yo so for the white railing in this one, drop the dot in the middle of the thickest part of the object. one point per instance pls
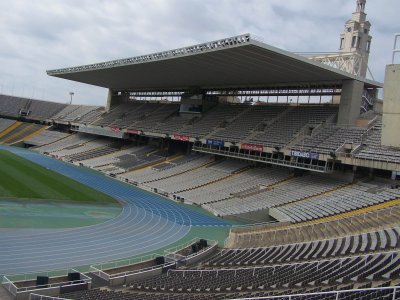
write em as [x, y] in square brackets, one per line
[123, 262]
[393, 254]
[298, 244]
[393, 290]
[33, 296]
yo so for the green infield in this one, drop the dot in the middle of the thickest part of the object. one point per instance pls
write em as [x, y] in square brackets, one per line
[32, 196]
[22, 179]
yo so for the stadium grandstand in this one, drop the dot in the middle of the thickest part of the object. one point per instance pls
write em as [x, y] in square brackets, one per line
[298, 152]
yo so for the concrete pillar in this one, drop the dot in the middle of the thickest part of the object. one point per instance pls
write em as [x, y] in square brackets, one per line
[391, 107]
[350, 102]
[109, 100]
[114, 99]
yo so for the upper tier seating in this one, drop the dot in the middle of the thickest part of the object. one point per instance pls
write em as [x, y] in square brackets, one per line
[213, 119]
[372, 148]
[32, 109]
[330, 138]
[285, 128]
[78, 113]
[246, 122]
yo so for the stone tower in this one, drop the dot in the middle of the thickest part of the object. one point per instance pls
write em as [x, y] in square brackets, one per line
[356, 38]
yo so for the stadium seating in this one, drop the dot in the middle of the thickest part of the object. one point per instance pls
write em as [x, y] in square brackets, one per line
[197, 177]
[284, 128]
[252, 118]
[19, 131]
[373, 150]
[381, 240]
[46, 137]
[343, 200]
[78, 113]
[296, 189]
[5, 123]
[11, 106]
[280, 234]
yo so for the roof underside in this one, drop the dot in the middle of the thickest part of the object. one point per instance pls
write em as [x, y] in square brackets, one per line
[234, 63]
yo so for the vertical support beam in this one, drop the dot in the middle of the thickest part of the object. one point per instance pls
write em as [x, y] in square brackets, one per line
[109, 100]
[114, 99]
[350, 102]
[391, 107]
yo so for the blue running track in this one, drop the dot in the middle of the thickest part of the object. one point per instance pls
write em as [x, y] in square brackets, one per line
[148, 222]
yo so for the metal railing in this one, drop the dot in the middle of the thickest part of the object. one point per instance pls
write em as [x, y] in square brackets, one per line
[338, 294]
[294, 164]
[34, 296]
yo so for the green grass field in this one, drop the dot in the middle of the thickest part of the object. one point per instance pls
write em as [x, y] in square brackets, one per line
[22, 179]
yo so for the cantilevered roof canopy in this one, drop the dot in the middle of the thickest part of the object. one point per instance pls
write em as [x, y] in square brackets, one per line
[231, 63]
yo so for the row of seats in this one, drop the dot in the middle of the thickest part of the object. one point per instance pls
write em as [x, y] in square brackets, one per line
[79, 113]
[364, 294]
[46, 137]
[197, 177]
[11, 106]
[381, 240]
[292, 190]
[340, 201]
[281, 234]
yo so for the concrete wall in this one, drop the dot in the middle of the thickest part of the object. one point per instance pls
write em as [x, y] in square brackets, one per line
[391, 107]
[350, 102]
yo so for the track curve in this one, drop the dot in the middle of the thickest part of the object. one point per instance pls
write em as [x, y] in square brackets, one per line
[147, 222]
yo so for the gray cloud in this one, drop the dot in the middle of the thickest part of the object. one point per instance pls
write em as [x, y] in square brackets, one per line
[37, 35]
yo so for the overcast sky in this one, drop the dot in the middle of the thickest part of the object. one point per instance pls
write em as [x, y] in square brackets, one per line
[38, 35]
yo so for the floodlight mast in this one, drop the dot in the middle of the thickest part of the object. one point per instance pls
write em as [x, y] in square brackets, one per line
[71, 94]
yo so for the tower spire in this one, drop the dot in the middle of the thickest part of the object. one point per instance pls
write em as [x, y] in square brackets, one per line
[361, 5]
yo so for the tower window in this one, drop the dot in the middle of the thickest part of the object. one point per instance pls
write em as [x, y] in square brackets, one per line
[368, 46]
[358, 42]
[341, 43]
[348, 29]
[354, 41]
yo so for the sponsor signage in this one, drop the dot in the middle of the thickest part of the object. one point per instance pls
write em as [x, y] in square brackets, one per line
[216, 143]
[115, 129]
[179, 137]
[134, 131]
[252, 147]
[305, 154]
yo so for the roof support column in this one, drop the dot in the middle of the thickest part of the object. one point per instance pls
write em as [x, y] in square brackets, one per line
[391, 107]
[114, 99]
[350, 102]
